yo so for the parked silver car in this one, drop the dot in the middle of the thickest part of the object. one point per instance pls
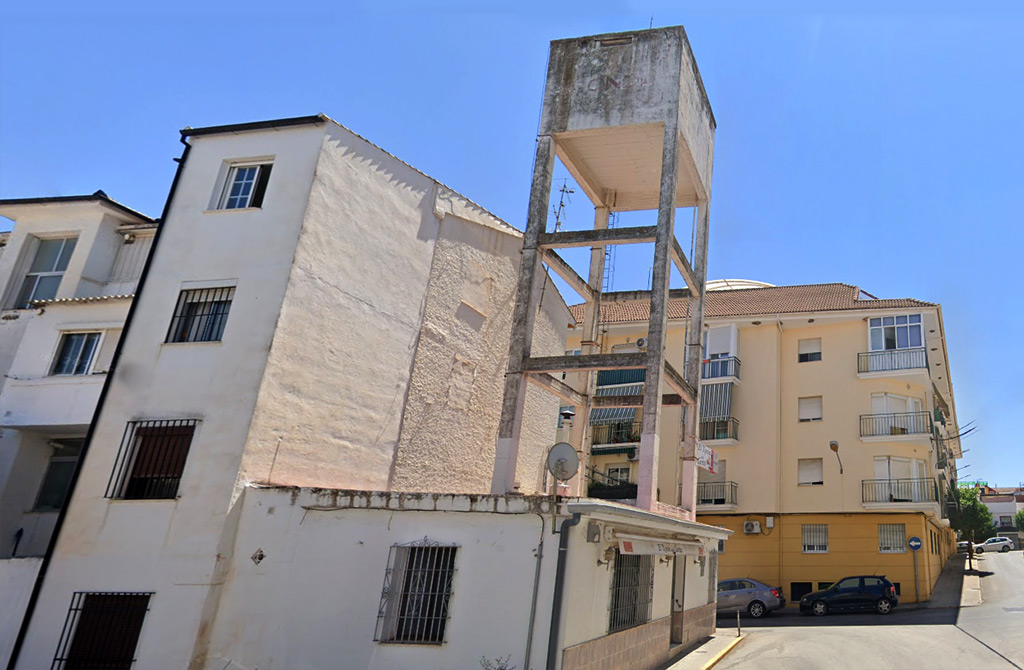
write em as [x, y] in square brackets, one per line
[994, 544]
[750, 596]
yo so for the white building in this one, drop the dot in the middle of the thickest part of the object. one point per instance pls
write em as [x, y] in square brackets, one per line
[68, 272]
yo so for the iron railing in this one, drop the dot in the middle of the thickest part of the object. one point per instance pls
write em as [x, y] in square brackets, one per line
[899, 490]
[892, 359]
[716, 493]
[101, 630]
[151, 459]
[615, 433]
[721, 367]
[608, 488]
[417, 591]
[632, 591]
[905, 423]
[725, 428]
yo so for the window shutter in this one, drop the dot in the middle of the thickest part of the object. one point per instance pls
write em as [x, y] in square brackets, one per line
[809, 346]
[810, 409]
[810, 471]
[719, 341]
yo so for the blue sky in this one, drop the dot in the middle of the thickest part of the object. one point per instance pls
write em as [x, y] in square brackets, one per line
[868, 146]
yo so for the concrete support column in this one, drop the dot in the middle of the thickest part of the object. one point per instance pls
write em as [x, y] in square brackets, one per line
[509, 429]
[694, 358]
[647, 485]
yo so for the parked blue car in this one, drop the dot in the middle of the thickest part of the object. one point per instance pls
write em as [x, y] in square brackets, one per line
[863, 592]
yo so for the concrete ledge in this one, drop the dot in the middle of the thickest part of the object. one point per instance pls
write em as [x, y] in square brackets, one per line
[970, 596]
[708, 654]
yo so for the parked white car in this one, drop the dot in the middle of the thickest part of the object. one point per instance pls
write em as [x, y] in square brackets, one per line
[994, 544]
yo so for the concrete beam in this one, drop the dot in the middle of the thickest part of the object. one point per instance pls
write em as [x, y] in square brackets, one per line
[589, 238]
[679, 258]
[558, 388]
[581, 363]
[676, 381]
[667, 400]
[558, 265]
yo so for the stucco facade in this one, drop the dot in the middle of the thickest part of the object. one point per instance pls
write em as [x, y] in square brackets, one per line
[787, 371]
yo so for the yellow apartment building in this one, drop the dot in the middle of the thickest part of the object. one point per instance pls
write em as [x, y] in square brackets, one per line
[832, 414]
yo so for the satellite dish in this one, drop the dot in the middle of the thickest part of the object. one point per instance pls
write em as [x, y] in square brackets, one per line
[563, 461]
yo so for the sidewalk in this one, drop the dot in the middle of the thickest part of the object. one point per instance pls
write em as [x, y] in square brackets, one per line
[956, 587]
[708, 653]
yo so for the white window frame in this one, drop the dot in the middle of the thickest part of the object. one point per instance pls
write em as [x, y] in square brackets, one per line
[811, 535]
[799, 409]
[617, 467]
[888, 533]
[880, 323]
[19, 289]
[93, 355]
[810, 480]
[229, 182]
[809, 346]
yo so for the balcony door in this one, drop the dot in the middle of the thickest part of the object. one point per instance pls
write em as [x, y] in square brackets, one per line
[900, 479]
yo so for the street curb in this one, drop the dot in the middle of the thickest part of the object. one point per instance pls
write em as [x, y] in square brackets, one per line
[720, 655]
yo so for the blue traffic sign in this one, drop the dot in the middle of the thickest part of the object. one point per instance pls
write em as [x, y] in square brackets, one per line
[915, 543]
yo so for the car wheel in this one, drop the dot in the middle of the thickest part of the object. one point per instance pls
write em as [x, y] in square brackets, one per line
[1005, 549]
[820, 608]
[756, 609]
[979, 550]
[883, 606]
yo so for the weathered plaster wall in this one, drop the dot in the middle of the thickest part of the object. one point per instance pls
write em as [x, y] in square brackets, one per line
[17, 576]
[313, 599]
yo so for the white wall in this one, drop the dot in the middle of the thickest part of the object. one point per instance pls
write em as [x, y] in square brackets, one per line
[17, 577]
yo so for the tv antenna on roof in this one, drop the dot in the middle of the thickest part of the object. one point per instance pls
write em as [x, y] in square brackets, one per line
[560, 210]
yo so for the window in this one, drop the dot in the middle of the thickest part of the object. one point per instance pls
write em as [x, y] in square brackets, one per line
[824, 585]
[618, 473]
[201, 314]
[896, 332]
[245, 186]
[848, 583]
[151, 459]
[44, 275]
[798, 590]
[892, 538]
[57, 479]
[721, 546]
[1005, 520]
[809, 471]
[809, 350]
[75, 353]
[101, 631]
[417, 590]
[815, 538]
[632, 591]
[810, 409]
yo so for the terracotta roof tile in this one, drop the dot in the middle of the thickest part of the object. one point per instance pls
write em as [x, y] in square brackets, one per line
[753, 302]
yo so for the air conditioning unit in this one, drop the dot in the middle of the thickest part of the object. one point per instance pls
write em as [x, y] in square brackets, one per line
[751, 527]
[641, 343]
[633, 455]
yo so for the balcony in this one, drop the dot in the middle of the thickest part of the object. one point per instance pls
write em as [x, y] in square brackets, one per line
[899, 491]
[716, 495]
[891, 361]
[719, 368]
[721, 430]
[604, 487]
[889, 425]
[46, 402]
[627, 432]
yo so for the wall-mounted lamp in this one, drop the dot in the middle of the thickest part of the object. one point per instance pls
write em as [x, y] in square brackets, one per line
[128, 238]
[834, 446]
[608, 555]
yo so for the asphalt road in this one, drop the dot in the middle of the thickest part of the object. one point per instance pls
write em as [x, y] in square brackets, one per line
[990, 635]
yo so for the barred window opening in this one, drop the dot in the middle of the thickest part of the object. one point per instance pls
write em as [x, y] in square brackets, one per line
[892, 538]
[101, 631]
[151, 459]
[632, 591]
[417, 591]
[201, 314]
[815, 538]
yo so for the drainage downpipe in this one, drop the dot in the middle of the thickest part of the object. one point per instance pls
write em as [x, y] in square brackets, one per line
[556, 605]
[536, 589]
[37, 588]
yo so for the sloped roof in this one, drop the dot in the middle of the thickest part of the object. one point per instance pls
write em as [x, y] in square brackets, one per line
[751, 302]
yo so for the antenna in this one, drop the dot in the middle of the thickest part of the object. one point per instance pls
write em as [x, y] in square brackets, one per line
[560, 210]
[609, 258]
[563, 463]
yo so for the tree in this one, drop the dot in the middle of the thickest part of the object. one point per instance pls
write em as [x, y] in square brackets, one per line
[971, 519]
[1018, 521]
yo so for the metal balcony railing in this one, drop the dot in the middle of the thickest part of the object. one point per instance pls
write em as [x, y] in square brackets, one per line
[905, 423]
[899, 490]
[724, 428]
[721, 367]
[716, 493]
[600, 485]
[892, 359]
[615, 433]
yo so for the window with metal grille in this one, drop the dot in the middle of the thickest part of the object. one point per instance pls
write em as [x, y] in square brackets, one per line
[201, 314]
[245, 186]
[632, 591]
[46, 271]
[417, 590]
[75, 353]
[815, 538]
[892, 538]
[151, 459]
[101, 631]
